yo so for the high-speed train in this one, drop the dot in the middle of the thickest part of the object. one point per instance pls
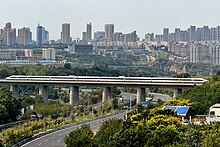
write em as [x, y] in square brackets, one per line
[109, 79]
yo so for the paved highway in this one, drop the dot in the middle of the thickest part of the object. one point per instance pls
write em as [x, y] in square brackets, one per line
[163, 97]
[56, 139]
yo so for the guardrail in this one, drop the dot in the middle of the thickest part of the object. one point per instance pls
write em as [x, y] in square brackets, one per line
[8, 125]
[60, 128]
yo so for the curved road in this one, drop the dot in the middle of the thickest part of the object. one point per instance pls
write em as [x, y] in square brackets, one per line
[163, 97]
[55, 139]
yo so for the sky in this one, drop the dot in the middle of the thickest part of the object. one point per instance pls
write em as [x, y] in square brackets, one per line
[141, 15]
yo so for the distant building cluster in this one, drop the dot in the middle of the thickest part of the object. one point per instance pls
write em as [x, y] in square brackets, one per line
[197, 52]
[193, 33]
[14, 54]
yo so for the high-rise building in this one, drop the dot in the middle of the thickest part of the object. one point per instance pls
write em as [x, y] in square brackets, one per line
[89, 32]
[8, 35]
[39, 35]
[8, 25]
[84, 36]
[213, 34]
[117, 37]
[177, 34]
[149, 37]
[49, 54]
[199, 34]
[65, 34]
[42, 35]
[192, 33]
[109, 31]
[166, 34]
[205, 33]
[218, 33]
[24, 36]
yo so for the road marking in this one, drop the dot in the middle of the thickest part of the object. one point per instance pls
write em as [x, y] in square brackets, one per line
[53, 137]
[68, 128]
[39, 144]
[60, 134]
[46, 140]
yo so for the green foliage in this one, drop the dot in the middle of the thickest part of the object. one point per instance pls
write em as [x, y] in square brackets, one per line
[80, 137]
[49, 109]
[129, 137]
[213, 137]
[10, 107]
[13, 135]
[203, 97]
[107, 130]
[115, 104]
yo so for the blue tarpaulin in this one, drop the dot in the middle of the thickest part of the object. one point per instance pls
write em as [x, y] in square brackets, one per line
[180, 110]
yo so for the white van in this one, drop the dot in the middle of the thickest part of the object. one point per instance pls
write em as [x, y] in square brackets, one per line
[214, 112]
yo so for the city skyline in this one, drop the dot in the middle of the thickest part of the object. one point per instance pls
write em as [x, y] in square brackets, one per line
[143, 16]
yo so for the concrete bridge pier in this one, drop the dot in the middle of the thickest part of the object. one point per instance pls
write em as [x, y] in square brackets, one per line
[106, 94]
[141, 95]
[176, 91]
[74, 95]
[15, 90]
[43, 91]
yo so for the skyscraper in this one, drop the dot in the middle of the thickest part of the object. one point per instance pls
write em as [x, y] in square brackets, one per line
[166, 34]
[65, 34]
[218, 33]
[192, 33]
[8, 35]
[213, 34]
[205, 33]
[89, 32]
[39, 34]
[24, 36]
[109, 31]
[42, 35]
[177, 34]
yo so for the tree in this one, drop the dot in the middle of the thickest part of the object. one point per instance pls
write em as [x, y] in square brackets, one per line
[67, 66]
[107, 130]
[80, 137]
[115, 103]
[3, 113]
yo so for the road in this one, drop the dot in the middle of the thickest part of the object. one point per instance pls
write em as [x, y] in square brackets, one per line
[55, 139]
[163, 97]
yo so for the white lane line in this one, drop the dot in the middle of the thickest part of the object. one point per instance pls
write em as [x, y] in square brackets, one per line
[75, 126]
[39, 144]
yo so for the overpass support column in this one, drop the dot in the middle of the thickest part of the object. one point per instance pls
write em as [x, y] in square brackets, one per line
[74, 95]
[141, 95]
[15, 90]
[176, 91]
[106, 94]
[43, 91]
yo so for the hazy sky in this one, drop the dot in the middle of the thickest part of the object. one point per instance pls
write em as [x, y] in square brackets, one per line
[127, 15]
